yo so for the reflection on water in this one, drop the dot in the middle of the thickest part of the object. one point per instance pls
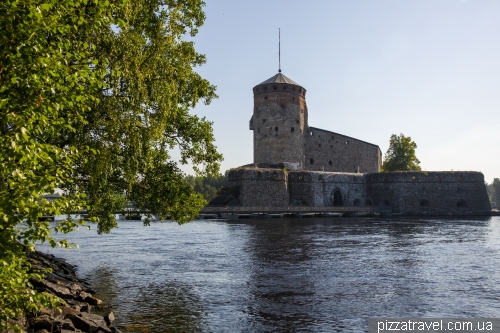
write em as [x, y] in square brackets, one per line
[167, 307]
[290, 275]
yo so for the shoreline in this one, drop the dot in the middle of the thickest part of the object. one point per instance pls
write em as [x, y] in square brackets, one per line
[76, 315]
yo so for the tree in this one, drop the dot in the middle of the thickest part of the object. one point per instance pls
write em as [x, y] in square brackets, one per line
[93, 97]
[208, 186]
[400, 155]
[495, 192]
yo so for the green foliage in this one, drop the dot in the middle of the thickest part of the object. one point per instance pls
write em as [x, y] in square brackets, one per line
[47, 83]
[494, 192]
[209, 186]
[93, 97]
[400, 155]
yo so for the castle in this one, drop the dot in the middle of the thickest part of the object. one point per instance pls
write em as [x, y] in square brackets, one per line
[298, 165]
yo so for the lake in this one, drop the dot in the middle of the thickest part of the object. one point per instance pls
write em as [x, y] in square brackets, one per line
[290, 275]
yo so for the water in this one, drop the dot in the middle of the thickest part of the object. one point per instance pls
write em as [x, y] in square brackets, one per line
[291, 275]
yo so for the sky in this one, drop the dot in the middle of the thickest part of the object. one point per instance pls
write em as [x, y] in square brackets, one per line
[429, 69]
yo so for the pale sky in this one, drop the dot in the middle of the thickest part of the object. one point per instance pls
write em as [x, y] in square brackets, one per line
[429, 69]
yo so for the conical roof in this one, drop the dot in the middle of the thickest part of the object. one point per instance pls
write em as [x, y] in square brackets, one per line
[279, 78]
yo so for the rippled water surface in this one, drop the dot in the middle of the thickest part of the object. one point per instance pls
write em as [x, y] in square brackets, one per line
[291, 275]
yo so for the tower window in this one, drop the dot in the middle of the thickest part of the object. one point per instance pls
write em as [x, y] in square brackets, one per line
[311, 161]
[258, 130]
[263, 120]
[265, 97]
[320, 145]
[292, 130]
[330, 163]
[276, 129]
[297, 121]
[274, 87]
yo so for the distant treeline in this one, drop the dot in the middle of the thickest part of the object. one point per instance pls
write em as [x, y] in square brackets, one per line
[209, 187]
[494, 192]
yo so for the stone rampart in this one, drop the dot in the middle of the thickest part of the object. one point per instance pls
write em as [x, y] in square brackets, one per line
[261, 187]
[413, 193]
[456, 193]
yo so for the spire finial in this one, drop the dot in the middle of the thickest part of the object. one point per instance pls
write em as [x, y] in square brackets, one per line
[279, 49]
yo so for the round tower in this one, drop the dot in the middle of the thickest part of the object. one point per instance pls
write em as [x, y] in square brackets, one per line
[279, 122]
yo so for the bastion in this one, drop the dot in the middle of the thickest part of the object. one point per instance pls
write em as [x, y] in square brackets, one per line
[299, 165]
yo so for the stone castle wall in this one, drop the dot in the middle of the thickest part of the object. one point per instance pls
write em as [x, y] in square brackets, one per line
[261, 187]
[451, 193]
[279, 122]
[429, 192]
[329, 151]
[317, 189]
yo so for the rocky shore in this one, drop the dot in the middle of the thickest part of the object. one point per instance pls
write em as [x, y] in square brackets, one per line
[75, 316]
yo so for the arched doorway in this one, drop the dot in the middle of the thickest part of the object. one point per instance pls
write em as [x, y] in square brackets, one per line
[425, 203]
[337, 198]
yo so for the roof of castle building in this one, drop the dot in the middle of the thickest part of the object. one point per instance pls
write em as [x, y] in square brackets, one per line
[280, 78]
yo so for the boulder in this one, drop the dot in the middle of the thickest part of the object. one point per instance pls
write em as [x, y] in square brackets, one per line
[89, 322]
[86, 297]
[57, 290]
[109, 318]
[65, 324]
[41, 322]
[75, 289]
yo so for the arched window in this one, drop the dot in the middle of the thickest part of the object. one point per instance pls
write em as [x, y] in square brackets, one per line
[330, 162]
[368, 202]
[276, 128]
[462, 203]
[357, 202]
[311, 161]
[292, 130]
[385, 202]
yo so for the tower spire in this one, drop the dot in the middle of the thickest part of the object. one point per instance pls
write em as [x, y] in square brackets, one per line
[279, 49]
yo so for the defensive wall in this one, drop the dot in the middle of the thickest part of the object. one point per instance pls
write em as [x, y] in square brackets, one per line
[412, 193]
[329, 151]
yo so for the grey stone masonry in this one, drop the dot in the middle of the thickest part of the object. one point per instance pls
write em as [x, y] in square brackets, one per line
[417, 193]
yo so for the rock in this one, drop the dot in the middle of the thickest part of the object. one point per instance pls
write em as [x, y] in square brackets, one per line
[41, 322]
[86, 297]
[89, 322]
[83, 295]
[75, 289]
[65, 324]
[79, 306]
[86, 308]
[115, 330]
[42, 331]
[58, 290]
[109, 318]
[68, 310]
